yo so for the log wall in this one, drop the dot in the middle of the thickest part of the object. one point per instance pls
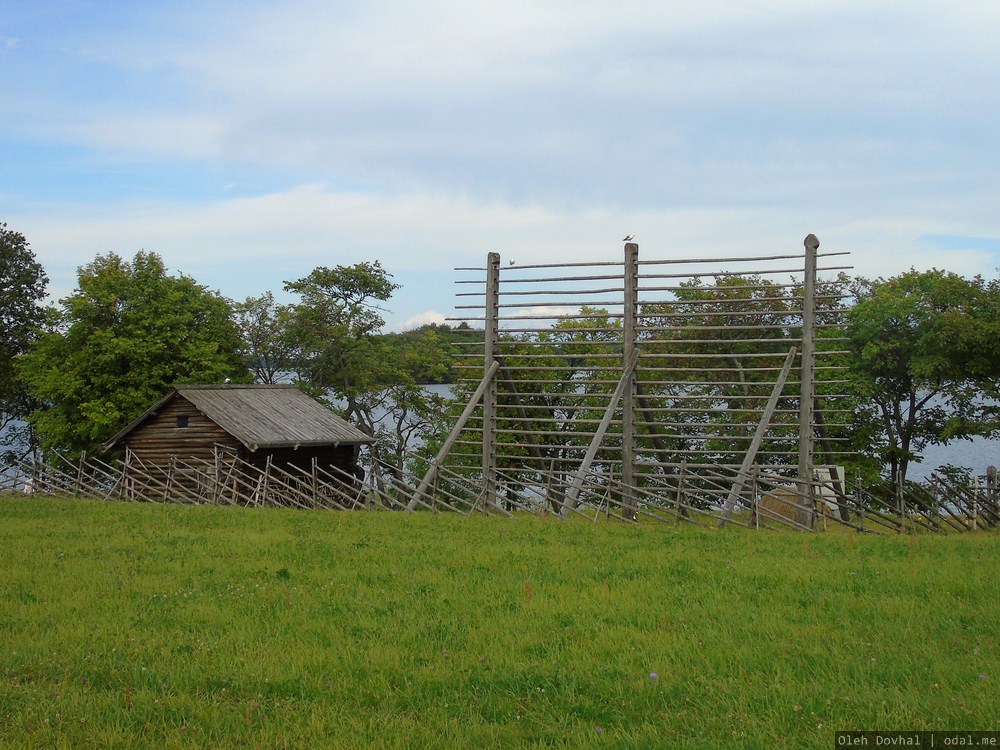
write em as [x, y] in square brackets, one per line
[162, 438]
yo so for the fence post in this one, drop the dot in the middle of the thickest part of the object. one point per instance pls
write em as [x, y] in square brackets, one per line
[804, 515]
[265, 488]
[491, 334]
[991, 489]
[631, 312]
[126, 478]
[681, 497]
[79, 474]
[168, 486]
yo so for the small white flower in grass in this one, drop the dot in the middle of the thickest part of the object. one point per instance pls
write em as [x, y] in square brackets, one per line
[600, 730]
[654, 676]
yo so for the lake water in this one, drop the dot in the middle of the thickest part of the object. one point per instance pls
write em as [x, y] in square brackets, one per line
[974, 454]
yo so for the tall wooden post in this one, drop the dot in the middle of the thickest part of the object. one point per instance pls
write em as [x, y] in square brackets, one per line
[491, 334]
[804, 515]
[631, 312]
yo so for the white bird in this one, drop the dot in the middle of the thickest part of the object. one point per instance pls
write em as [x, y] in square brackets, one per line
[510, 262]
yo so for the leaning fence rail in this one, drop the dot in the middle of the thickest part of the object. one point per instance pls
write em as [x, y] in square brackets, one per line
[764, 500]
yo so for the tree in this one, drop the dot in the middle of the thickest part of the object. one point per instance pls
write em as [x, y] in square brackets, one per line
[262, 326]
[332, 336]
[429, 351]
[22, 316]
[927, 358]
[124, 336]
[333, 327]
[400, 413]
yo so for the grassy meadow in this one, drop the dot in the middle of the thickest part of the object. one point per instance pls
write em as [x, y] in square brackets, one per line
[134, 626]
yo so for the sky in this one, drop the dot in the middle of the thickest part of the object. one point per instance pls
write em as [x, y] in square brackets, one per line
[249, 142]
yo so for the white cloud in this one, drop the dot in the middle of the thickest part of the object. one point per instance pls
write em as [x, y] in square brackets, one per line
[151, 134]
[245, 246]
[551, 102]
[422, 319]
[425, 135]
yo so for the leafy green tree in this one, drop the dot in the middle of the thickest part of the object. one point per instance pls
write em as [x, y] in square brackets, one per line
[927, 360]
[22, 288]
[399, 415]
[128, 332]
[333, 339]
[333, 327]
[262, 325]
[401, 411]
[429, 352]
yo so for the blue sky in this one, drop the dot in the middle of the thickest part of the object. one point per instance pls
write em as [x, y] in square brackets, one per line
[249, 142]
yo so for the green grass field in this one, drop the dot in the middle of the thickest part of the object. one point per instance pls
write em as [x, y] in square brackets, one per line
[133, 626]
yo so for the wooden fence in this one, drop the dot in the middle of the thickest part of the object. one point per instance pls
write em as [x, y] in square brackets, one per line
[767, 500]
[643, 370]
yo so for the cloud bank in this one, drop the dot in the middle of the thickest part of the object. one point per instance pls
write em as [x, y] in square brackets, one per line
[248, 143]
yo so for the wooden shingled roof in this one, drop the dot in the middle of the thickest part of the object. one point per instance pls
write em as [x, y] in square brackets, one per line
[262, 416]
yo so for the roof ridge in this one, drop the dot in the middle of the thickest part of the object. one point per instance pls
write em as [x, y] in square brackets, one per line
[230, 386]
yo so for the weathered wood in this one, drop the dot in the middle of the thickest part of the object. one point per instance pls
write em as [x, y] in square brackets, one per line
[210, 424]
[436, 464]
[807, 384]
[573, 492]
[491, 335]
[758, 438]
[630, 356]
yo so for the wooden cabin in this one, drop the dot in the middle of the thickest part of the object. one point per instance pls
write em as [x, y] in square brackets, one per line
[263, 425]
